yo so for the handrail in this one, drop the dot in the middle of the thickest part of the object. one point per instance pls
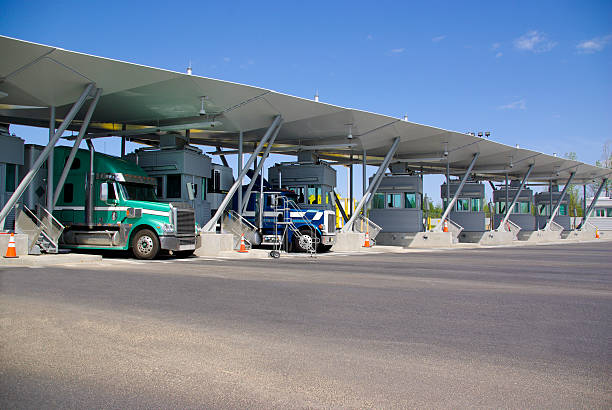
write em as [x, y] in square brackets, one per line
[555, 226]
[372, 228]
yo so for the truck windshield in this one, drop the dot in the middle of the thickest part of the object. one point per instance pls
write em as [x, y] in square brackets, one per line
[138, 192]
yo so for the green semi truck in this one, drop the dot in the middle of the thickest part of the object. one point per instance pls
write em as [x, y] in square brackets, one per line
[116, 207]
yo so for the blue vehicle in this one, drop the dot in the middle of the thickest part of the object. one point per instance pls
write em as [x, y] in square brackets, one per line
[281, 222]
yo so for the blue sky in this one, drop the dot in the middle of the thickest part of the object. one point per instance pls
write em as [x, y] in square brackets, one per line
[534, 73]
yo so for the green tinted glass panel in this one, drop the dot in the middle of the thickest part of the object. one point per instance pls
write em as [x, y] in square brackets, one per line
[524, 208]
[476, 204]
[463, 205]
[410, 200]
[563, 209]
[378, 202]
[10, 178]
[394, 200]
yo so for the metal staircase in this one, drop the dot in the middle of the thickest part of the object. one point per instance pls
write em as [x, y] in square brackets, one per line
[283, 222]
[232, 222]
[43, 231]
[363, 224]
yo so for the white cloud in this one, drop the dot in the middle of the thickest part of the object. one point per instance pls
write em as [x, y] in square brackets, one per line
[227, 59]
[398, 50]
[499, 54]
[438, 38]
[593, 45]
[535, 42]
[515, 105]
[369, 37]
[495, 46]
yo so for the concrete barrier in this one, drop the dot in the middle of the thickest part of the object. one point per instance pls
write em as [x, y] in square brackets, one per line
[540, 236]
[21, 243]
[214, 243]
[431, 240]
[349, 241]
[575, 235]
[493, 238]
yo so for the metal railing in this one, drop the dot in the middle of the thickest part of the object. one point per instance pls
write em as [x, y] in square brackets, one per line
[455, 229]
[363, 224]
[44, 231]
[555, 227]
[234, 223]
[511, 227]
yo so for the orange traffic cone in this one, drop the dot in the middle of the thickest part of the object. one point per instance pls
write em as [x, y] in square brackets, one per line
[367, 241]
[445, 226]
[10, 251]
[243, 248]
[596, 233]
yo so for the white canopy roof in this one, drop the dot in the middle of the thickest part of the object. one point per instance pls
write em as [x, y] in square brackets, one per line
[34, 77]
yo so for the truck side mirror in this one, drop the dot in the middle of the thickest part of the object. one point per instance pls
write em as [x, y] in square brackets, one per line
[104, 191]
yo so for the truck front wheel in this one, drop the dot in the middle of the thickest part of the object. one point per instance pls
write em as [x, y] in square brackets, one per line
[145, 244]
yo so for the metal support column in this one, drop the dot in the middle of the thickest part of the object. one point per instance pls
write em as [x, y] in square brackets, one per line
[587, 213]
[50, 161]
[506, 192]
[123, 128]
[89, 189]
[451, 203]
[211, 225]
[43, 155]
[240, 142]
[502, 224]
[381, 170]
[584, 205]
[351, 186]
[259, 168]
[554, 212]
[364, 176]
[75, 147]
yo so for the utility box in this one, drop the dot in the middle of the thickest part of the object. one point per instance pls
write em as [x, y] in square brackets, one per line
[468, 211]
[312, 182]
[397, 207]
[11, 158]
[521, 213]
[182, 174]
[543, 208]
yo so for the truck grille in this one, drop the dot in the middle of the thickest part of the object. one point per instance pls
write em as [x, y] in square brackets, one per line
[331, 223]
[185, 221]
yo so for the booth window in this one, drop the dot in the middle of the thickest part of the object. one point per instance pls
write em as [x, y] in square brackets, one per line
[463, 205]
[543, 209]
[68, 193]
[204, 187]
[299, 191]
[160, 187]
[501, 208]
[525, 208]
[173, 186]
[10, 178]
[394, 201]
[563, 210]
[410, 200]
[476, 204]
[609, 212]
[600, 212]
[379, 201]
[314, 194]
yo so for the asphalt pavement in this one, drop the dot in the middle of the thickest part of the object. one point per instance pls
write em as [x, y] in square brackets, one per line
[503, 327]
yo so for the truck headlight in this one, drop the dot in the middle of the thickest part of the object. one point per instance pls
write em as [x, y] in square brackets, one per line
[168, 228]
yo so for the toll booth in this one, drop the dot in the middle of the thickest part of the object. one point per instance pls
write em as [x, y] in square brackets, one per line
[312, 182]
[521, 213]
[468, 211]
[182, 174]
[543, 208]
[11, 158]
[397, 207]
[221, 180]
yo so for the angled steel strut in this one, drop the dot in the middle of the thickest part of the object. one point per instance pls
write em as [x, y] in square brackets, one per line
[556, 209]
[587, 213]
[502, 224]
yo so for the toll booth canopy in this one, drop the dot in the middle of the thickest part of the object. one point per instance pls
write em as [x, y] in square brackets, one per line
[468, 211]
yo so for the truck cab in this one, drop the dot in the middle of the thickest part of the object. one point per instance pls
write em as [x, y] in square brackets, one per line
[124, 213]
[278, 216]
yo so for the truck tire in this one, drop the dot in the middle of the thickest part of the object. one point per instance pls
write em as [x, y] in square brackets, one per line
[297, 247]
[145, 244]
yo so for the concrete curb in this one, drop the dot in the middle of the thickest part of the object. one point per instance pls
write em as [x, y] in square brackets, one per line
[50, 260]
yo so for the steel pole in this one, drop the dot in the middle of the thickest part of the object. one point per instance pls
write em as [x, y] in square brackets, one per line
[75, 147]
[240, 142]
[89, 208]
[210, 225]
[259, 167]
[349, 225]
[459, 189]
[515, 199]
[587, 213]
[43, 155]
[554, 212]
[363, 172]
[50, 161]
